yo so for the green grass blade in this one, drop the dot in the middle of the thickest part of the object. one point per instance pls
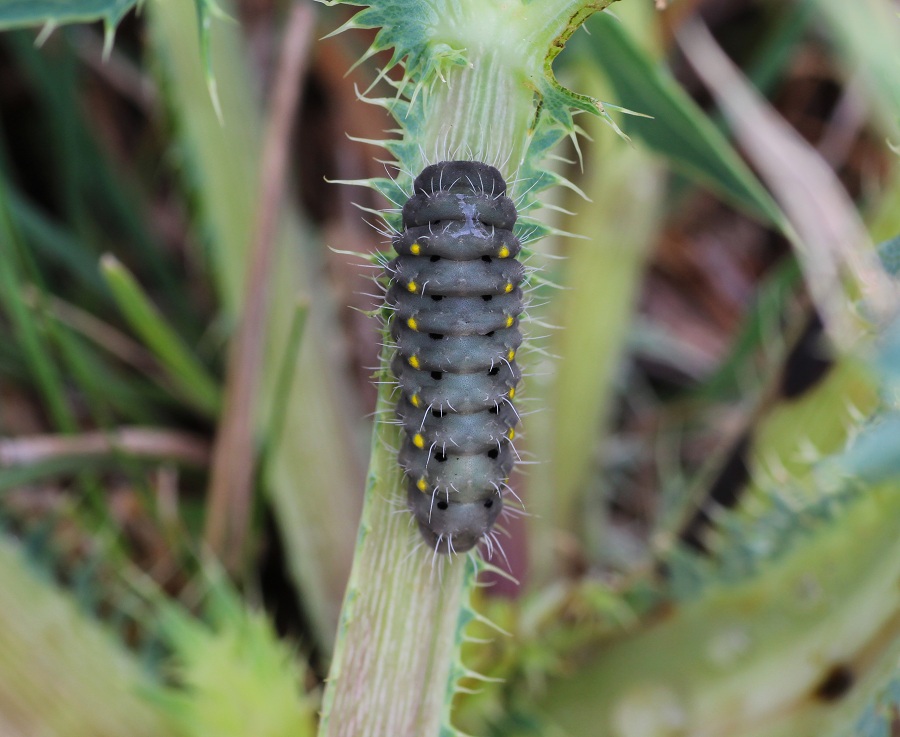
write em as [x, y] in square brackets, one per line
[15, 477]
[105, 353]
[110, 394]
[193, 382]
[85, 176]
[56, 245]
[284, 383]
[26, 324]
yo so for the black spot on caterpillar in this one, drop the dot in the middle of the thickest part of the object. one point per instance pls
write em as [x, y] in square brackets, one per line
[455, 298]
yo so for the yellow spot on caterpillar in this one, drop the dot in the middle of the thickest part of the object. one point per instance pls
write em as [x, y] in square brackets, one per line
[422, 485]
[509, 321]
[418, 440]
[503, 252]
[415, 249]
[414, 361]
[414, 400]
[512, 393]
[511, 355]
[412, 324]
[511, 434]
[508, 288]
[412, 287]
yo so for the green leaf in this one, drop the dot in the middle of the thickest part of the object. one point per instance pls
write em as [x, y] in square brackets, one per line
[235, 676]
[678, 128]
[52, 13]
[206, 10]
[186, 373]
[18, 476]
[27, 324]
[24, 13]
[514, 117]
[756, 656]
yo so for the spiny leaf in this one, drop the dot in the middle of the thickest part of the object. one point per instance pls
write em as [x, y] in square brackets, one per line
[435, 42]
[826, 604]
[237, 678]
[53, 13]
[25, 13]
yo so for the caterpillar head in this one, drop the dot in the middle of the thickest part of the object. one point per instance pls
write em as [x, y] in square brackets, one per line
[450, 525]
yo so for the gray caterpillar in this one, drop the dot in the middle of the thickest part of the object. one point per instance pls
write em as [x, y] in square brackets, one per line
[455, 298]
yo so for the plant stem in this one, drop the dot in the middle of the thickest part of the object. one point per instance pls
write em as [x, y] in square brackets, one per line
[397, 645]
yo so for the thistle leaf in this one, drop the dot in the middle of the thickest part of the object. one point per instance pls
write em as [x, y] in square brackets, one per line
[26, 13]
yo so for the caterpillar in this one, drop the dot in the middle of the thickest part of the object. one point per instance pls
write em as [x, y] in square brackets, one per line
[455, 298]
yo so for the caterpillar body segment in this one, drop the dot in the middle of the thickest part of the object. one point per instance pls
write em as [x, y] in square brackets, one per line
[455, 296]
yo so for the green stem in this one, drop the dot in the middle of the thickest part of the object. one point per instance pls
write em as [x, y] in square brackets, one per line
[484, 109]
[479, 114]
[476, 70]
[400, 632]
